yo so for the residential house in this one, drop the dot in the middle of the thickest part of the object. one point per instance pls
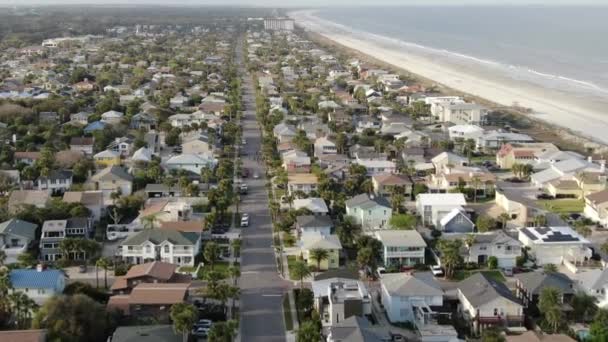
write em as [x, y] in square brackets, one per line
[555, 245]
[48, 118]
[493, 140]
[295, 161]
[304, 182]
[456, 221]
[596, 207]
[594, 282]
[449, 179]
[324, 146]
[342, 300]
[530, 285]
[497, 244]
[311, 224]
[80, 118]
[151, 272]
[143, 121]
[165, 210]
[16, 236]
[27, 158]
[146, 333]
[410, 297]
[199, 144]
[315, 205]
[57, 182]
[460, 113]
[485, 302]
[162, 245]
[38, 284]
[330, 243]
[20, 199]
[434, 207]
[357, 329]
[95, 126]
[55, 231]
[401, 247]
[107, 158]
[191, 162]
[284, 132]
[150, 300]
[143, 155]
[387, 184]
[528, 153]
[123, 145]
[112, 117]
[30, 335]
[162, 190]
[112, 179]
[465, 132]
[371, 212]
[447, 160]
[92, 200]
[82, 144]
[565, 169]
[375, 166]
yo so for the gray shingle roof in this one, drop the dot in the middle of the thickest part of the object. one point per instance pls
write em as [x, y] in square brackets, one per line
[157, 236]
[364, 201]
[534, 282]
[20, 228]
[314, 221]
[479, 289]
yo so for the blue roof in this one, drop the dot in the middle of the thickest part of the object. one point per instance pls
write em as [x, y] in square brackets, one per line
[25, 278]
[94, 126]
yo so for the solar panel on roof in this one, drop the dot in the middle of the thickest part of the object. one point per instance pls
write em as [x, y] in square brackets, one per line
[560, 238]
[543, 230]
[528, 234]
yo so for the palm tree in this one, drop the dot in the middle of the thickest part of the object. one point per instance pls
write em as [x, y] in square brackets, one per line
[149, 221]
[504, 218]
[211, 253]
[550, 268]
[236, 248]
[234, 272]
[318, 255]
[347, 231]
[584, 305]
[300, 270]
[450, 255]
[22, 307]
[475, 181]
[397, 201]
[183, 316]
[104, 264]
[553, 316]
[469, 240]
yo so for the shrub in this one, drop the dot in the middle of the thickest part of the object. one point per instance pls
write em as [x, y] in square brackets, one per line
[492, 263]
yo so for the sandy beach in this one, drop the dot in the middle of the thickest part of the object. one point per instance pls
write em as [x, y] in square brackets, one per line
[586, 116]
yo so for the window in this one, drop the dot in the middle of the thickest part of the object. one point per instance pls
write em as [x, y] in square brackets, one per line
[41, 291]
[495, 312]
[148, 250]
[167, 249]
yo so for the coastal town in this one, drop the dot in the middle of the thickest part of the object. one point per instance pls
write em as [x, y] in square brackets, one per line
[241, 179]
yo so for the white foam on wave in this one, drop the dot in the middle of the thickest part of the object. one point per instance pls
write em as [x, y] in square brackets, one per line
[526, 72]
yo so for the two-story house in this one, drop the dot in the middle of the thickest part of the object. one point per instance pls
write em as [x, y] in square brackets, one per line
[311, 224]
[529, 286]
[554, 245]
[170, 246]
[401, 247]
[295, 161]
[386, 184]
[409, 297]
[150, 300]
[596, 207]
[16, 236]
[301, 182]
[323, 146]
[82, 144]
[92, 200]
[192, 163]
[497, 244]
[594, 282]
[122, 145]
[315, 205]
[57, 182]
[55, 231]
[370, 212]
[330, 243]
[485, 302]
[107, 158]
[434, 207]
[38, 284]
[112, 179]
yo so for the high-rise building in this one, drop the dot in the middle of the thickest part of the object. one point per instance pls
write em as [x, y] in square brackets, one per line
[279, 24]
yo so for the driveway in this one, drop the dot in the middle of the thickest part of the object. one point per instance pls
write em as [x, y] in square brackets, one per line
[262, 289]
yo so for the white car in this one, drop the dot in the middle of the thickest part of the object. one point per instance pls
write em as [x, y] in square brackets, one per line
[437, 271]
[245, 220]
[256, 175]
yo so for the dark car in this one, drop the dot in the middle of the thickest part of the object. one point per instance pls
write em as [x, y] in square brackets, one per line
[544, 196]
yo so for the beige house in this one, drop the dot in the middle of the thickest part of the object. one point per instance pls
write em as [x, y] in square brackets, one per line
[385, 183]
[112, 179]
[596, 207]
[20, 198]
[330, 243]
[198, 145]
[305, 182]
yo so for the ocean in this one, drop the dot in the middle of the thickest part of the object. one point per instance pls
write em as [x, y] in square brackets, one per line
[563, 48]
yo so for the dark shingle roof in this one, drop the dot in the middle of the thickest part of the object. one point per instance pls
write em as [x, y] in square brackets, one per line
[534, 282]
[479, 289]
[157, 236]
[19, 228]
[314, 221]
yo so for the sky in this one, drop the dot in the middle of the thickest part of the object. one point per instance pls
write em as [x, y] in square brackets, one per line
[306, 3]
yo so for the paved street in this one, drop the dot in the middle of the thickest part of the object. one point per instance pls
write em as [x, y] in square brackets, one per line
[261, 287]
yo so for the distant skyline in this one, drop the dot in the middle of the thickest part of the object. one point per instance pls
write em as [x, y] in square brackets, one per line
[302, 3]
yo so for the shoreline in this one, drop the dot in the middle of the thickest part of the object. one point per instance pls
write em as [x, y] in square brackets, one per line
[567, 135]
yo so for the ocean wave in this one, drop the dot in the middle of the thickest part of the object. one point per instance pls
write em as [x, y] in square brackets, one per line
[520, 70]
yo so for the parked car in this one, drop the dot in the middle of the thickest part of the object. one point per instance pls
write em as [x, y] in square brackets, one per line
[245, 220]
[437, 270]
[243, 189]
[508, 271]
[203, 323]
[544, 196]
[200, 331]
[256, 175]
[243, 141]
[244, 173]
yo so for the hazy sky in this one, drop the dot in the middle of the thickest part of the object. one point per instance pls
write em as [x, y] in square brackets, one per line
[316, 3]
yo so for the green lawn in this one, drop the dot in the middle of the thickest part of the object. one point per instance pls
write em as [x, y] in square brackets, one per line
[220, 266]
[464, 274]
[188, 269]
[287, 313]
[563, 206]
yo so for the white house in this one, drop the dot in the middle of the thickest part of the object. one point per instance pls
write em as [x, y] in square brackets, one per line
[401, 247]
[169, 246]
[38, 284]
[596, 207]
[374, 166]
[191, 162]
[594, 282]
[465, 132]
[315, 204]
[409, 297]
[369, 211]
[434, 207]
[301, 182]
[112, 117]
[338, 297]
[554, 245]
[311, 224]
[57, 181]
[505, 248]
